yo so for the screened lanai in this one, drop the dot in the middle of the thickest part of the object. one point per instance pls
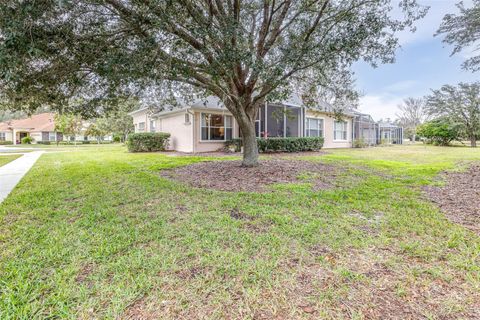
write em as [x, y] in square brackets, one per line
[365, 129]
[276, 120]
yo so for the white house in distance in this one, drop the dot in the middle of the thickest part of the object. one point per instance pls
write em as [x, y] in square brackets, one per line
[41, 128]
[205, 125]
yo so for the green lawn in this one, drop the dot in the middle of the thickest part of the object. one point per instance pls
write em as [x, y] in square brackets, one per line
[98, 233]
[4, 159]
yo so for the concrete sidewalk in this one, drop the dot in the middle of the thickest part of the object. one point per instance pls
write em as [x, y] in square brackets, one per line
[13, 172]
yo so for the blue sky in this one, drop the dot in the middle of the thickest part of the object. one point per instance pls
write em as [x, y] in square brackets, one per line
[423, 63]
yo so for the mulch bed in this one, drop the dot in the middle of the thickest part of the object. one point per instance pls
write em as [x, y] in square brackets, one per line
[219, 154]
[459, 198]
[231, 176]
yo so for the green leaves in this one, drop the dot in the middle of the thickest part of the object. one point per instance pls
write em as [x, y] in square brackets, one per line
[440, 131]
[463, 31]
[460, 104]
[52, 52]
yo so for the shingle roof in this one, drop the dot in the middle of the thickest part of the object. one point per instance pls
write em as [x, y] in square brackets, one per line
[38, 122]
[212, 102]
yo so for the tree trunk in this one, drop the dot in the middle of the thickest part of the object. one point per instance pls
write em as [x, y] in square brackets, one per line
[250, 148]
[473, 141]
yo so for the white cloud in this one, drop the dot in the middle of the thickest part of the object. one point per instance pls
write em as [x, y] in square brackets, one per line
[470, 52]
[380, 106]
[401, 85]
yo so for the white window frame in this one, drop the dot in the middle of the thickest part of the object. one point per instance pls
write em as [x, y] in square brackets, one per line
[224, 126]
[153, 125]
[307, 125]
[335, 130]
[141, 128]
[3, 136]
[54, 136]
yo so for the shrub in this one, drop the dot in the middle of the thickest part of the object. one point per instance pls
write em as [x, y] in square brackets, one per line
[4, 143]
[148, 141]
[439, 132]
[233, 145]
[116, 139]
[27, 140]
[291, 144]
[359, 143]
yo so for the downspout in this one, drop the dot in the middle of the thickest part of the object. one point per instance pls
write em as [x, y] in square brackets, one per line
[352, 133]
[193, 129]
[266, 124]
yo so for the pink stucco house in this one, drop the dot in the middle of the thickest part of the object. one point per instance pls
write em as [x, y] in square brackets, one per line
[204, 126]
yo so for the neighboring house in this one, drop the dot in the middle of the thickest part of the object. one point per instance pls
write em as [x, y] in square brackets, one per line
[204, 126]
[40, 127]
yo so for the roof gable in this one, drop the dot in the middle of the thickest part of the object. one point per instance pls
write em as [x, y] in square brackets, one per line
[37, 122]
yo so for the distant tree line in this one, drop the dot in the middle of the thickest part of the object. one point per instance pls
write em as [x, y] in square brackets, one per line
[449, 113]
[453, 111]
[118, 123]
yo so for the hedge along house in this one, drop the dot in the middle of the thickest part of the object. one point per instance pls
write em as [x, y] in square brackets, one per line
[40, 127]
[204, 126]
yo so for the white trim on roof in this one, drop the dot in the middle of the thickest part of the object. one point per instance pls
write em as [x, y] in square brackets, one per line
[137, 111]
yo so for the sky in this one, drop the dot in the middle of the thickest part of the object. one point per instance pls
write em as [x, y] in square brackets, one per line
[422, 63]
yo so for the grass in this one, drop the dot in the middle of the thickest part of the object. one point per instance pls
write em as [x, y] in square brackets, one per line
[98, 233]
[4, 159]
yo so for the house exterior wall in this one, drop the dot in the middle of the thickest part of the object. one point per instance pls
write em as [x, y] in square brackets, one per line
[181, 132]
[36, 136]
[8, 135]
[328, 134]
[141, 116]
[186, 136]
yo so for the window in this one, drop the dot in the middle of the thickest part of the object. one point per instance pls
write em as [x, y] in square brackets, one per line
[52, 136]
[141, 127]
[216, 127]
[152, 125]
[314, 127]
[187, 118]
[275, 121]
[2, 136]
[339, 130]
[282, 121]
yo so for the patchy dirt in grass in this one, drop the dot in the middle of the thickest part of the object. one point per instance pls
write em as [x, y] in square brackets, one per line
[140, 310]
[380, 289]
[371, 283]
[239, 215]
[85, 272]
[231, 176]
[459, 198]
[365, 284]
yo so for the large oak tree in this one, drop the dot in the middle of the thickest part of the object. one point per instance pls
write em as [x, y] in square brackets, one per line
[242, 51]
[463, 31]
[460, 104]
